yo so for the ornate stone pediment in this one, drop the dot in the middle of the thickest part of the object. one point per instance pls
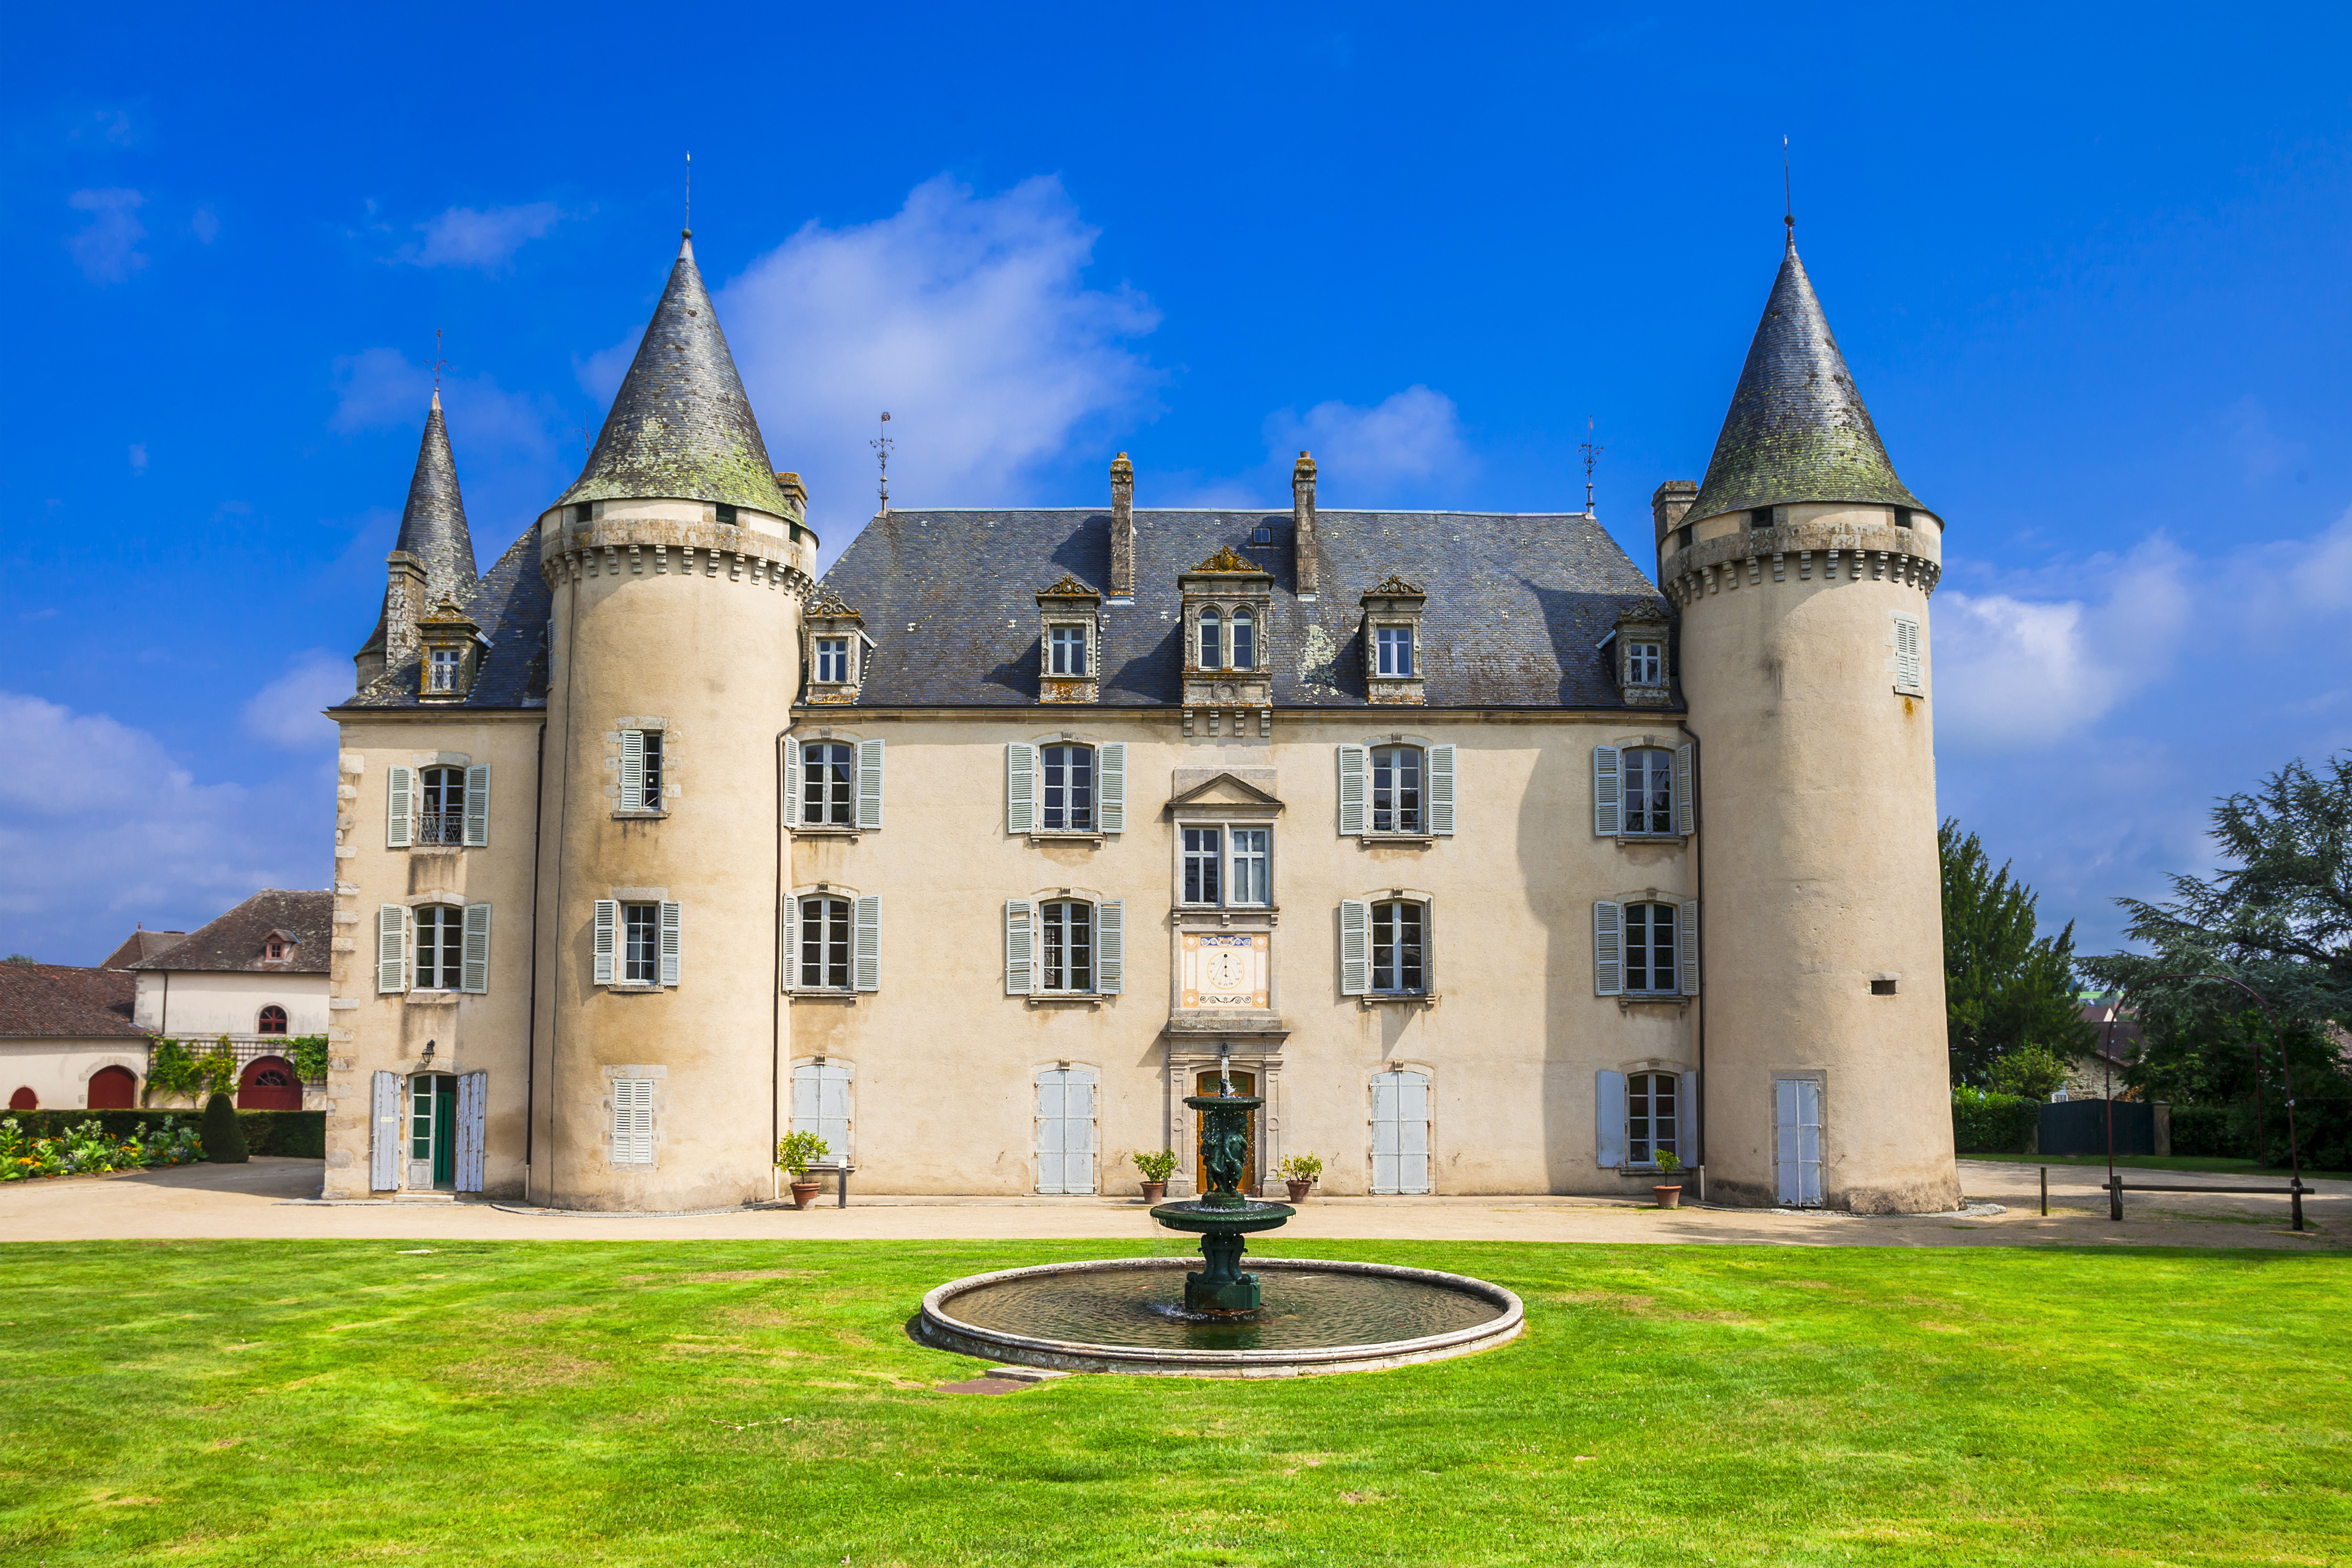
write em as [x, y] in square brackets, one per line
[1394, 587]
[1228, 560]
[1069, 587]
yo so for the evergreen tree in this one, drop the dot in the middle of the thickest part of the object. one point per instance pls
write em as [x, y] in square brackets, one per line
[2006, 988]
[224, 1140]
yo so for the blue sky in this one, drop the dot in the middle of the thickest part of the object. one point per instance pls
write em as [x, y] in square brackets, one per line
[2088, 265]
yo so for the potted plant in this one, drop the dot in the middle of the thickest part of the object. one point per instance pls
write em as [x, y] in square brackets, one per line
[795, 1152]
[1670, 1165]
[1156, 1168]
[1298, 1173]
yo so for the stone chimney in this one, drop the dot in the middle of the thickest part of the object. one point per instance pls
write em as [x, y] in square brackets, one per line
[1122, 528]
[796, 493]
[1668, 502]
[405, 605]
[1302, 533]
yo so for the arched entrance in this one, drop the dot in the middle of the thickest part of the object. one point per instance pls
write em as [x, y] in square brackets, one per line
[114, 1089]
[23, 1099]
[268, 1084]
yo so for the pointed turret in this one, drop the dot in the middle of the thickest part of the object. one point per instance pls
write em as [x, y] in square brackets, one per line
[434, 540]
[682, 427]
[1797, 431]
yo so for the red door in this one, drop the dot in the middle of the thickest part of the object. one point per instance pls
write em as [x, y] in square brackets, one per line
[114, 1089]
[268, 1084]
[23, 1099]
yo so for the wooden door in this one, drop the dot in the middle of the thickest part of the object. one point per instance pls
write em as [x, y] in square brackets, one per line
[445, 1132]
[1244, 1083]
[267, 1085]
[114, 1089]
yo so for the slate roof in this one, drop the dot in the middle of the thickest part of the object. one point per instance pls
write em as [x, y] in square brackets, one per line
[1519, 604]
[233, 943]
[1797, 429]
[63, 1001]
[680, 426]
[142, 944]
[509, 603]
[433, 525]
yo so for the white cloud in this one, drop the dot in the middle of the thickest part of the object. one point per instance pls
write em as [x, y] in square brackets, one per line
[138, 457]
[462, 237]
[107, 247]
[1364, 455]
[967, 317]
[286, 713]
[205, 224]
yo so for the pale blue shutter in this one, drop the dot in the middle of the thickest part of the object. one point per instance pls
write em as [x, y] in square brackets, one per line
[632, 771]
[671, 948]
[1441, 790]
[791, 969]
[1355, 946]
[1797, 1140]
[477, 805]
[400, 807]
[869, 784]
[1686, 1119]
[1686, 946]
[473, 1089]
[1608, 949]
[474, 973]
[1686, 785]
[391, 947]
[1609, 1130]
[1020, 947]
[866, 947]
[1608, 813]
[1110, 787]
[792, 786]
[1110, 946]
[608, 916]
[1401, 1132]
[384, 1133]
[1908, 663]
[1352, 790]
[1020, 787]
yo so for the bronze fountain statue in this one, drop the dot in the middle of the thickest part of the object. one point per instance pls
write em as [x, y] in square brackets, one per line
[1222, 1214]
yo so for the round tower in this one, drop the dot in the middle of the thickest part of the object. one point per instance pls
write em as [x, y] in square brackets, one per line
[677, 565]
[1802, 568]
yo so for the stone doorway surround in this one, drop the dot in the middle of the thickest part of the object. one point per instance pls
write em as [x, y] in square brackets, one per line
[1190, 1054]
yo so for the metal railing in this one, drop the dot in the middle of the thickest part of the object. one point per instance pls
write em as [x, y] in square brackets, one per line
[441, 827]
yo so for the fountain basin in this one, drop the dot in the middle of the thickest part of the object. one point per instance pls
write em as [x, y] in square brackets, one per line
[1126, 1314]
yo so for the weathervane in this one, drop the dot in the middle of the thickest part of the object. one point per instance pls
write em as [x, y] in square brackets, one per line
[1788, 203]
[882, 445]
[1591, 453]
[437, 363]
[686, 230]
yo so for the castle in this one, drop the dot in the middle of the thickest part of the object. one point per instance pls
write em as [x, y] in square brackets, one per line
[1495, 864]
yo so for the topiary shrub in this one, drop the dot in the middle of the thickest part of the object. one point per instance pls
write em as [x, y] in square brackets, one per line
[224, 1139]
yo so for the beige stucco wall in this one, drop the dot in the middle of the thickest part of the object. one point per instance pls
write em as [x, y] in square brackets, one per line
[944, 1061]
[195, 1004]
[58, 1070]
[368, 1032]
[1821, 863]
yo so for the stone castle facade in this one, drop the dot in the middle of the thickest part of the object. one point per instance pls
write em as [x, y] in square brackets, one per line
[1496, 862]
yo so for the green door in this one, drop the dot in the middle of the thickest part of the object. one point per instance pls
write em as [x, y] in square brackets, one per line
[445, 1132]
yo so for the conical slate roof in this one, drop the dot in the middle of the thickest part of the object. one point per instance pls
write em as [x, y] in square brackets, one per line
[681, 428]
[432, 529]
[1797, 430]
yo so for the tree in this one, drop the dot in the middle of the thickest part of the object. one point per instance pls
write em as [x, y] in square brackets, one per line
[2005, 988]
[224, 1139]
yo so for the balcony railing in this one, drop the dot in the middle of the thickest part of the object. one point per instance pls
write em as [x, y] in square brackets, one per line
[441, 827]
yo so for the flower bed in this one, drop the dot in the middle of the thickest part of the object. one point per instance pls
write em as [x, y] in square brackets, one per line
[88, 1149]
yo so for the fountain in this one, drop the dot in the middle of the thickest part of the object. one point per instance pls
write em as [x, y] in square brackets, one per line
[1304, 1316]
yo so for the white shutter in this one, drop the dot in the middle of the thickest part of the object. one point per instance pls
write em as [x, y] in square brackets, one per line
[1686, 1119]
[474, 973]
[1608, 949]
[1686, 800]
[1065, 1131]
[1797, 1140]
[1400, 1132]
[820, 1105]
[633, 1120]
[1110, 788]
[869, 784]
[1352, 790]
[477, 807]
[670, 947]
[608, 917]
[1608, 795]
[1355, 946]
[1441, 790]
[1110, 946]
[1907, 655]
[391, 947]
[1609, 1130]
[1020, 787]
[866, 947]
[633, 769]
[473, 1090]
[1686, 946]
[1020, 947]
[1384, 1133]
[793, 784]
[384, 1134]
[791, 969]
[400, 807]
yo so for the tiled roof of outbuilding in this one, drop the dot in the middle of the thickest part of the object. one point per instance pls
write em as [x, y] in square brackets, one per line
[142, 944]
[62, 1001]
[509, 603]
[1519, 604]
[234, 940]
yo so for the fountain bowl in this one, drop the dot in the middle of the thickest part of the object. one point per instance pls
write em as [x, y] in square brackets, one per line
[1494, 1316]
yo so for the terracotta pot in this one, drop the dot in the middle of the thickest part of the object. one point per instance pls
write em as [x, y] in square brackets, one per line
[1299, 1189]
[803, 1194]
[1669, 1197]
[1155, 1191]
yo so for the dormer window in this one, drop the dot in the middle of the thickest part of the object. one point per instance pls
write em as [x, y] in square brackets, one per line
[450, 653]
[1244, 641]
[1395, 650]
[833, 660]
[1212, 641]
[443, 676]
[1065, 650]
[1639, 646]
[1392, 611]
[275, 949]
[838, 649]
[1645, 663]
[1069, 633]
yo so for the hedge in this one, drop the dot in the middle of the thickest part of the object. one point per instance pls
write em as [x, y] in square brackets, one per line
[299, 1134]
[1994, 1124]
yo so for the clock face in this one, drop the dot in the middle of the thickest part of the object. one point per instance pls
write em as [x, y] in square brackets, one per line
[1226, 970]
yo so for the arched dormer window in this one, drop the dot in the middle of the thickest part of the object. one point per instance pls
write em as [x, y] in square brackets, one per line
[1212, 641]
[273, 1020]
[1244, 641]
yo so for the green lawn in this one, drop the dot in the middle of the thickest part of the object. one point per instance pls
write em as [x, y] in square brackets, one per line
[584, 1402]
[2210, 1164]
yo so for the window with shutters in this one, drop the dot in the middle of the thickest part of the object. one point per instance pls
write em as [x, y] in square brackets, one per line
[1909, 662]
[441, 807]
[1066, 956]
[828, 784]
[1649, 791]
[633, 1123]
[1396, 804]
[826, 935]
[640, 944]
[1400, 948]
[1065, 788]
[649, 793]
[1643, 791]
[1652, 1117]
[440, 947]
[1651, 950]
